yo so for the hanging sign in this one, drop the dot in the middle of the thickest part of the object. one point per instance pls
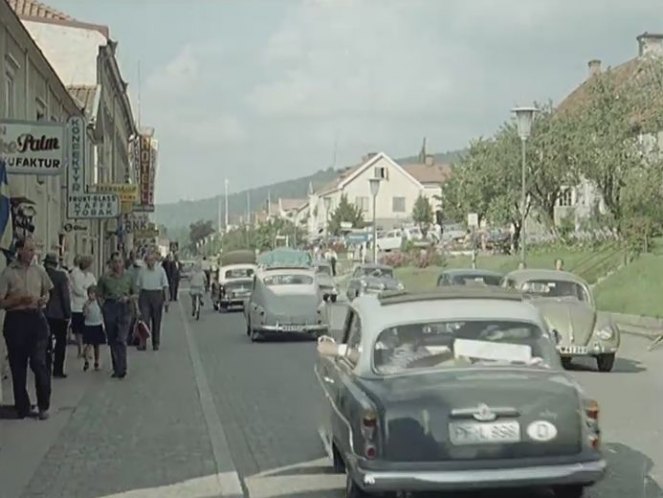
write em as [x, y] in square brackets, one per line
[93, 206]
[32, 147]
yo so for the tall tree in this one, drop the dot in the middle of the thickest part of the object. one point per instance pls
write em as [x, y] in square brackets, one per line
[345, 212]
[199, 230]
[422, 213]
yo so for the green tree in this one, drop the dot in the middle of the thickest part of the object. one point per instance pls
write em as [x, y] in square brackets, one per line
[422, 213]
[345, 212]
[199, 230]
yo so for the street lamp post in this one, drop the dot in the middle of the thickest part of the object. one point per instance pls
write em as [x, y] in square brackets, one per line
[375, 188]
[524, 118]
[327, 202]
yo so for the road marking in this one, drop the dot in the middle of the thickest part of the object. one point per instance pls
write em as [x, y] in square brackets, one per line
[200, 487]
[268, 485]
[229, 483]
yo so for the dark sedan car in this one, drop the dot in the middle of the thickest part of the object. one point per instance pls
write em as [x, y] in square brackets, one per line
[424, 397]
[469, 276]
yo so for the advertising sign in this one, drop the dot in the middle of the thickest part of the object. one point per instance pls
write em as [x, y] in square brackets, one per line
[147, 169]
[76, 155]
[32, 147]
[126, 192]
[87, 206]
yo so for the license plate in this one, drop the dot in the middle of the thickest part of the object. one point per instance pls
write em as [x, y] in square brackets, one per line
[292, 328]
[574, 349]
[466, 433]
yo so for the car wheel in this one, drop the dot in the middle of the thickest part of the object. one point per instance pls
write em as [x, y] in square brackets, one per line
[566, 362]
[573, 491]
[215, 306]
[352, 490]
[337, 461]
[333, 299]
[605, 362]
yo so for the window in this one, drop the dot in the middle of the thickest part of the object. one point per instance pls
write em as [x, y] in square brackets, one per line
[556, 289]
[288, 280]
[10, 95]
[381, 172]
[565, 197]
[362, 203]
[398, 205]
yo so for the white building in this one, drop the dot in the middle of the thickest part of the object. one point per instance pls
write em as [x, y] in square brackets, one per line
[84, 56]
[32, 91]
[400, 186]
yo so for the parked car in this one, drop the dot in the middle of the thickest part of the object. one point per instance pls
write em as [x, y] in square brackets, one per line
[323, 274]
[390, 241]
[235, 279]
[372, 278]
[569, 308]
[458, 389]
[469, 276]
[285, 301]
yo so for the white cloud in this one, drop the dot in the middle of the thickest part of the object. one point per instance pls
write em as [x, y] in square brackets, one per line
[355, 57]
[176, 77]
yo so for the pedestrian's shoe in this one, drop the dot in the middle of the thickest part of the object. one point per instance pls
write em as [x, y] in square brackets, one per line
[44, 415]
[122, 375]
[155, 347]
[86, 366]
[114, 375]
[60, 375]
[29, 414]
[96, 366]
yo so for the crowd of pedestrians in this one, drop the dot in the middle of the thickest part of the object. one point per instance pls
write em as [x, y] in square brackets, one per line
[44, 303]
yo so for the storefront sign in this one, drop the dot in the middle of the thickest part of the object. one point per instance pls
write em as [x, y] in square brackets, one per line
[74, 227]
[147, 166]
[76, 155]
[32, 147]
[128, 193]
[93, 206]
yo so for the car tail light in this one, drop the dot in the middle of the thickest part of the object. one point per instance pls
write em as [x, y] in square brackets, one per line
[369, 424]
[370, 451]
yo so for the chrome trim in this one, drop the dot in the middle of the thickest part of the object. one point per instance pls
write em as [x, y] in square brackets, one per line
[305, 328]
[546, 475]
[485, 413]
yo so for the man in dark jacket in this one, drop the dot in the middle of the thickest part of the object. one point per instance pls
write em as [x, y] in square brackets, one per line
[58, 314]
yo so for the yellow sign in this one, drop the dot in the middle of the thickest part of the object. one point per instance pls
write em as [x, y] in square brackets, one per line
[127, 207]
[126, 192]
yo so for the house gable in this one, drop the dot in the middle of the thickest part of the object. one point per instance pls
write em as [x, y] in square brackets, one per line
[374, 162]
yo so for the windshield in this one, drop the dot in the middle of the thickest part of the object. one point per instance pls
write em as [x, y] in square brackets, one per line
[285, 257]
[378, 272]
[457, 344]
[288, 280]
[476, 280]
[556, 289]
[239, 273]
[326, 269]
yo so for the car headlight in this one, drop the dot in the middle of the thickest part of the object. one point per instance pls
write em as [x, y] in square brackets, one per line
[401, 286]
[605, 334]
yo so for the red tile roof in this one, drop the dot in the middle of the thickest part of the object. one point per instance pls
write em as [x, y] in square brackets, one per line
[425, 173]
[32, 8]
[334, 184]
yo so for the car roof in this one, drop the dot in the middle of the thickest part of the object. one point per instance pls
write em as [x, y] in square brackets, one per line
[239, 265]
[286, 271]
[392, 309]
[472, 271]
[374, 266]
[543, 274]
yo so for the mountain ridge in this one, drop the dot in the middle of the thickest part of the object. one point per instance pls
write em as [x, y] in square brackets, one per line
[176, 215]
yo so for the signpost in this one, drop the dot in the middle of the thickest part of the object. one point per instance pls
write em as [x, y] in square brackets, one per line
[82, 205]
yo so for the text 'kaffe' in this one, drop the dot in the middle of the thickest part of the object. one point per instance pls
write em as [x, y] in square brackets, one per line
[93, 206]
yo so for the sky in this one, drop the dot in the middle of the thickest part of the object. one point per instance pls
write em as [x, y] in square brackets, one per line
[260, 91]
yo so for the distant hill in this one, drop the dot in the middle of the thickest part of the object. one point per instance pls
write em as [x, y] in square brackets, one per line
[180, 214]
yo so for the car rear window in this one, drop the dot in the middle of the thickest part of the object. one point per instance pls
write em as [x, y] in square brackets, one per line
[555, 288]
[476, 280]
[324, 269]
[288, 280]
[240, 273]
[379, 272]
[459, 344]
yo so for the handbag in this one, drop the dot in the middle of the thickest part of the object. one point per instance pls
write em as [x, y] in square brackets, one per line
[141, 331]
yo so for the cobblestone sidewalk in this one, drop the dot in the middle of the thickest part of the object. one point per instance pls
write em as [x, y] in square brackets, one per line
[109, 436]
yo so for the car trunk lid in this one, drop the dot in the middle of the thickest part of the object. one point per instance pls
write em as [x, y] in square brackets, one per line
[573, 319]
[488, 414]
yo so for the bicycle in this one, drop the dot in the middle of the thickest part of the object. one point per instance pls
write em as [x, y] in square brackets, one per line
[196, 306]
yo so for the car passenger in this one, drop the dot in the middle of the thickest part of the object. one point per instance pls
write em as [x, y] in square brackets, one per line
[408, 347]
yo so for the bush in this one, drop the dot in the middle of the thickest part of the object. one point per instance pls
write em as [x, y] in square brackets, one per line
[396, 259]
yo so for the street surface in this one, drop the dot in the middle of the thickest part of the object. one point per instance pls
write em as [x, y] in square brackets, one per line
[211, 408]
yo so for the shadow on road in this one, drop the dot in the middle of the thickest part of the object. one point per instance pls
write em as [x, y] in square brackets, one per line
[628, 473]
[622, 366]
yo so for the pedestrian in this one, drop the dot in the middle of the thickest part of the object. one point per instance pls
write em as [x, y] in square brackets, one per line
[153, 291]
[169, 268]
[207, 268]
[117, 291]
[24, 292]
[333, 258]
[559, 264]
[58, 315]
[197, 286]
[177, 272]
[93, 334]
[81, 278]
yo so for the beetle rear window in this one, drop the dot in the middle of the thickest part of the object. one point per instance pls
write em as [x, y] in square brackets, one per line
[288, 280]
[555, 288]
[456, 344]
[240, 273]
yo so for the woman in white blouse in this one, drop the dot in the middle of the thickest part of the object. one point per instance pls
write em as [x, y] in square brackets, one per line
[81, 279]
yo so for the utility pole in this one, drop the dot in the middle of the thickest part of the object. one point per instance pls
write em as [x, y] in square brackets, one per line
[226, 199]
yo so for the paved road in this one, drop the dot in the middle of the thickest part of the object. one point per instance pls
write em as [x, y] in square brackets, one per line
[158, 433]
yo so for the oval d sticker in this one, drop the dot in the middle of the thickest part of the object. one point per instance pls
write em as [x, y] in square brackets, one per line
[542, 431]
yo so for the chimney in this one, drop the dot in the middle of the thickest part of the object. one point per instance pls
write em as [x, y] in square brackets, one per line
[594, 67]
[650, 44]
[368, 156]
[430, 160]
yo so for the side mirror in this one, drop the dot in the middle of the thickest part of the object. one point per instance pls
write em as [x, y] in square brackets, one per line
[558, 336]
[327, 347]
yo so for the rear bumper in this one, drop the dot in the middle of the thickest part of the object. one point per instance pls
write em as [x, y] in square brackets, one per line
[234, 301]
[585, 473]
[590, 350]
